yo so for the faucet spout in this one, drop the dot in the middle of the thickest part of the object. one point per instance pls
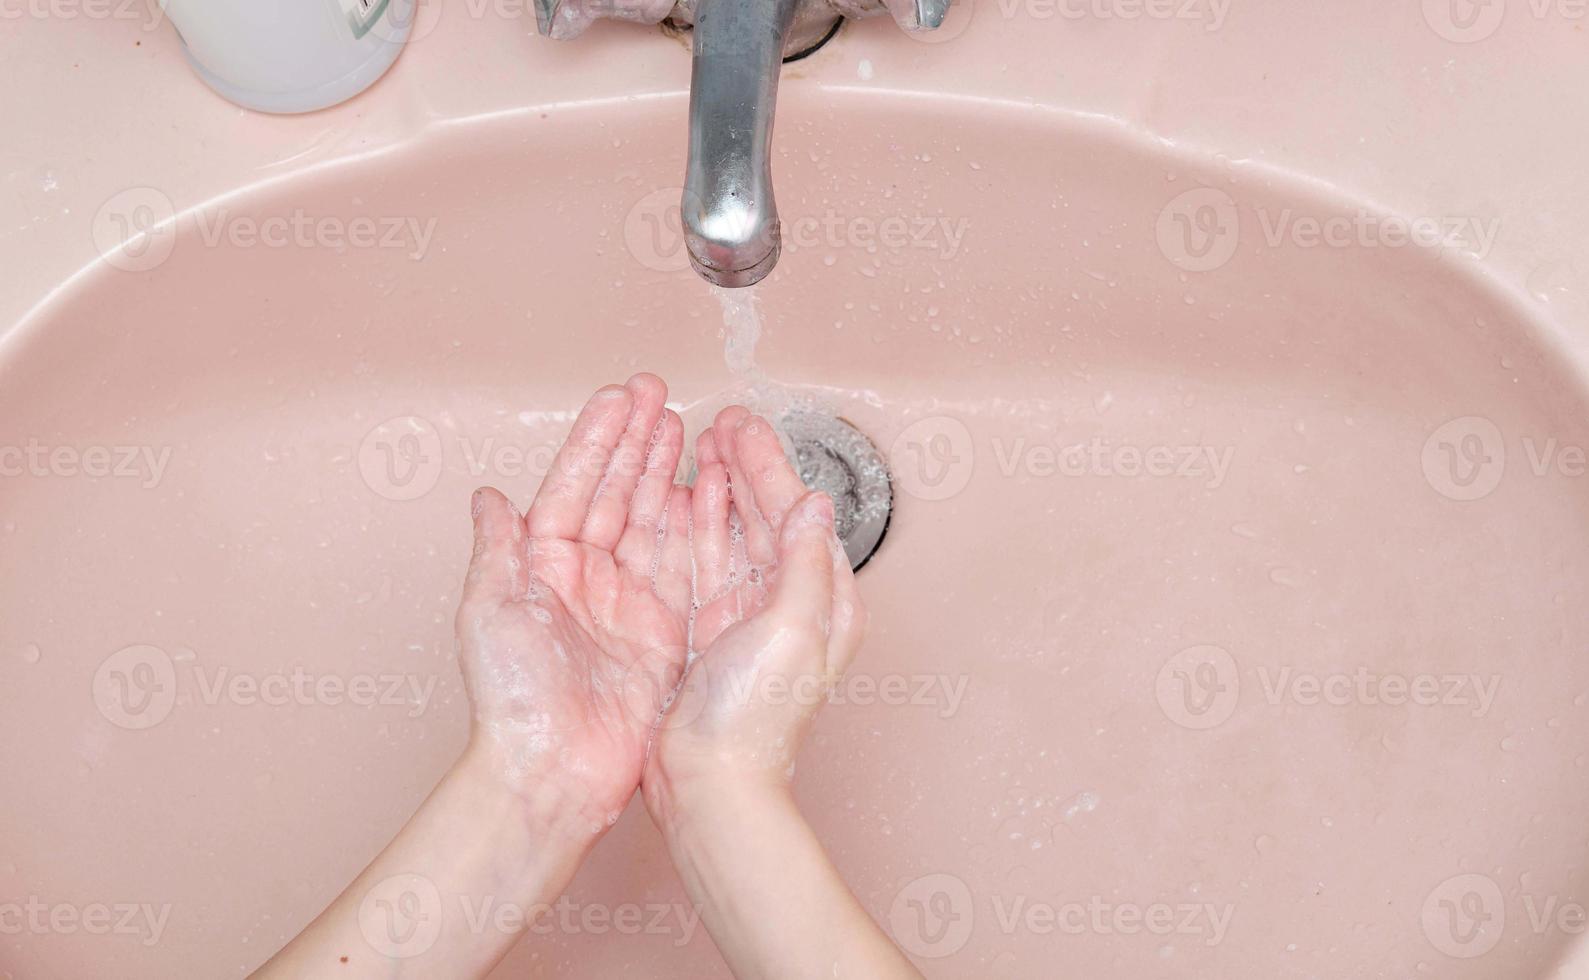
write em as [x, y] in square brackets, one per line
[730, 217]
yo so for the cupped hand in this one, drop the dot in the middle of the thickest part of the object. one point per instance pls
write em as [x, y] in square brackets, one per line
[573, 623]
[778, 616]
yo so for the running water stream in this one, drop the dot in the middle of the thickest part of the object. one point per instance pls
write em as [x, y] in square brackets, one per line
[829, 453]
[741, 334]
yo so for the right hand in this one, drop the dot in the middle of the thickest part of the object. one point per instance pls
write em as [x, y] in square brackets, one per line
[778, 618]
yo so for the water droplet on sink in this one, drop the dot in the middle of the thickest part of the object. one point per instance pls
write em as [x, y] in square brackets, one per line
[31, 653]
[1085, 802]
[1284, 576]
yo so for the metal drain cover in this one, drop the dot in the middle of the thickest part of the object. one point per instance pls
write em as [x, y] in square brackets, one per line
[833, 456]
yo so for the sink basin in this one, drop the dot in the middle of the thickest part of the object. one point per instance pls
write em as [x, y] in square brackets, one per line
[1230, 622]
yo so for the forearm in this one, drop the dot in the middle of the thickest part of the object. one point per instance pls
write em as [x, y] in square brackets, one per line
[770, 897]
[452, 893]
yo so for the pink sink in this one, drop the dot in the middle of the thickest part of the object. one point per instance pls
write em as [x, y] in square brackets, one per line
[1230, 623]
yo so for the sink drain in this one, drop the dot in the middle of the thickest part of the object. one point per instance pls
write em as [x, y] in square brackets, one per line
[833, 456]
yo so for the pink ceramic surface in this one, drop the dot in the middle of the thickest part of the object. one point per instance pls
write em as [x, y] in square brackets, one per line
[1231, 623]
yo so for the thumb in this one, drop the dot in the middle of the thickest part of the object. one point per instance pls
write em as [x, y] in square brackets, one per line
[804, 590]
[497, 572]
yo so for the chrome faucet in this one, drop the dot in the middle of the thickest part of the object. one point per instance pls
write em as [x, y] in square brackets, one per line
[730, 217]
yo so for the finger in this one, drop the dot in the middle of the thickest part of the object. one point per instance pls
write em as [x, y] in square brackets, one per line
[849, 617]
[711, 542]
[760, 544]
[564, 498]
[648, 509]
[803, 592]
[609, 511]
[706, 450]
[726, 422]
[673, 578]
[769, 473]
[499, 570]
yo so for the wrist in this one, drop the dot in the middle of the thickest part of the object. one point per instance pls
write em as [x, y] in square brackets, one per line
[680, 801]
[553, 808]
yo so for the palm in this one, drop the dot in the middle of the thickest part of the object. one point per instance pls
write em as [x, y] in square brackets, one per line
[573, 624]
[751, 624]
[623, 641]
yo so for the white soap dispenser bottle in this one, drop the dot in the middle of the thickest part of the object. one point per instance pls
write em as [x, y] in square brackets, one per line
[291, 55]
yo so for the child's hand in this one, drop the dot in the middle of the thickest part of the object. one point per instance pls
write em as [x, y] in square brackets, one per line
[572, 632]
[573, 619]
[778, 618]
